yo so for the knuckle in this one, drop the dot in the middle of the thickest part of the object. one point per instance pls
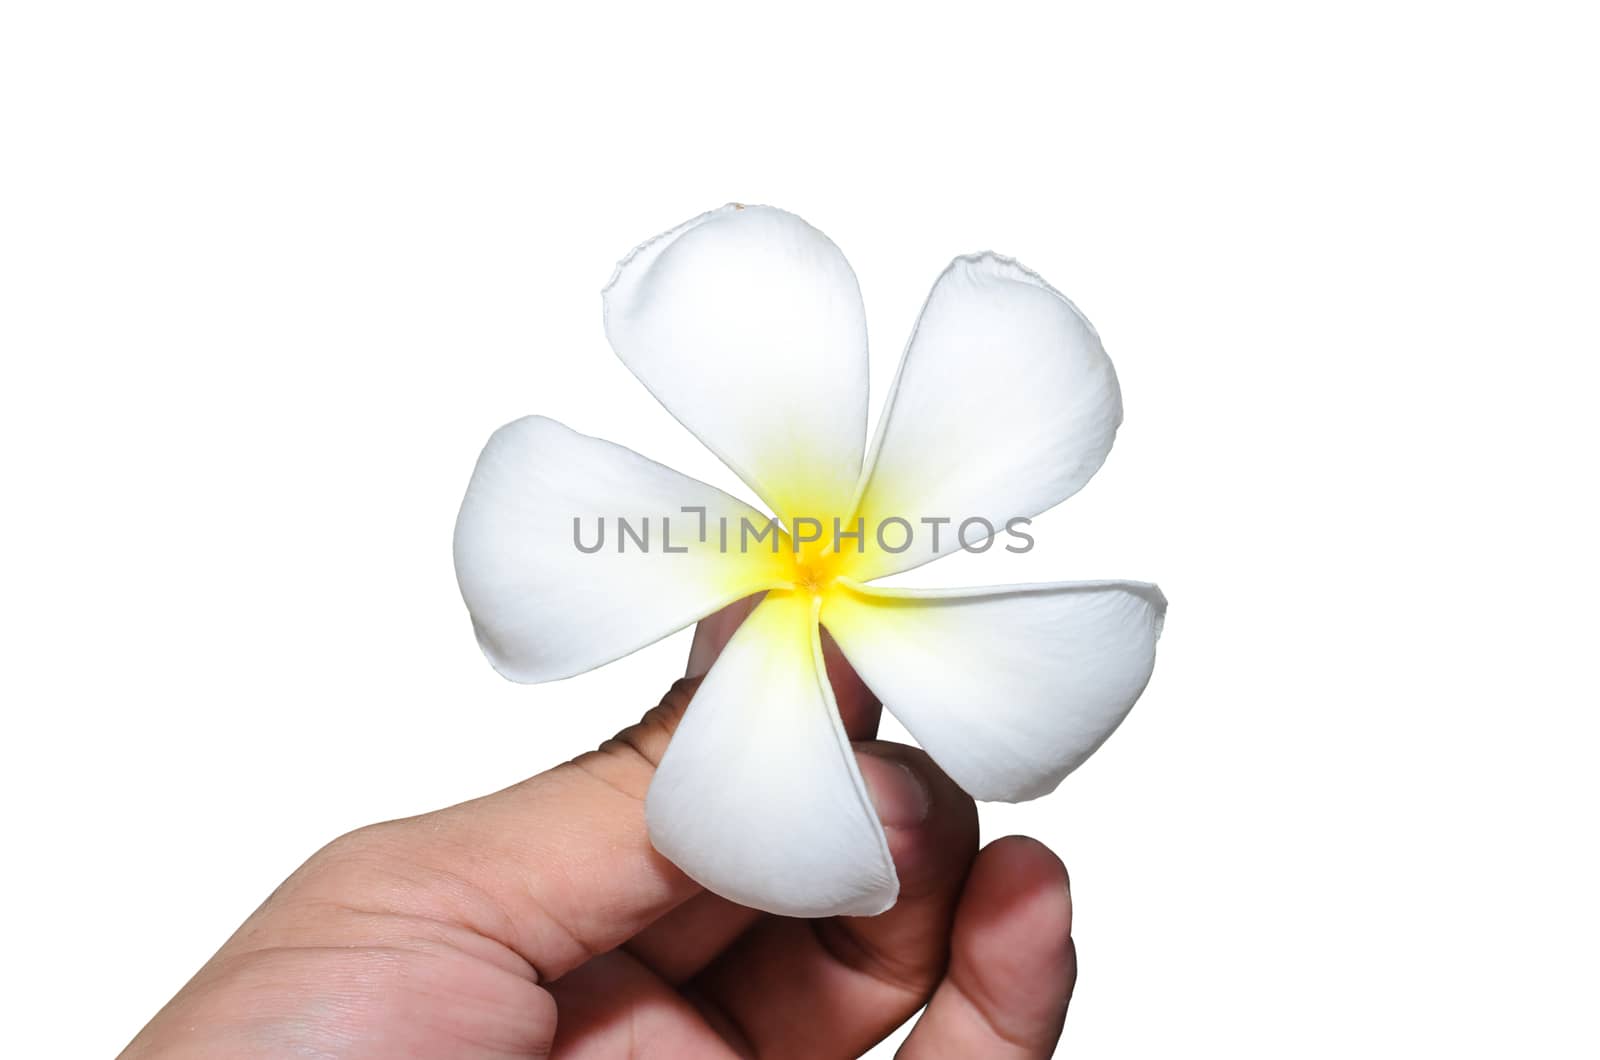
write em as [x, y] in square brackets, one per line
[677, 698]
[649, 736]
[913, 975]
[628, 760]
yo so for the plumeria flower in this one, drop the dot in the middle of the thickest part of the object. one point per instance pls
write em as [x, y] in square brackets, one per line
[747, 324]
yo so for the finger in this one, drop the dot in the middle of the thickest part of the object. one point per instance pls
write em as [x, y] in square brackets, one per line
[687, 939]
[869, 974]
[691, 936]
[858, 707]
[714, 631]
[614, 1006]
[1012, 961]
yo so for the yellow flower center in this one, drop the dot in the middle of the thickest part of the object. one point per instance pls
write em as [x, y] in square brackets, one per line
[815, 567]
[815, 574]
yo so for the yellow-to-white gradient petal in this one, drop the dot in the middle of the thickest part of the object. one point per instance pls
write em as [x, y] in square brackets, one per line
[1005, 405]
[747, 324]
[758, 797]
[1009, 689]
[544, 609]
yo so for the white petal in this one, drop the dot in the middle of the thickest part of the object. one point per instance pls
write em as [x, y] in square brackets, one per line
[543, 609]
[758, 797]
[1005, 405]
[1009, 689]
[746, 323]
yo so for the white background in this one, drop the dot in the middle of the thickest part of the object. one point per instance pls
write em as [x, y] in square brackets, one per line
[270, 275]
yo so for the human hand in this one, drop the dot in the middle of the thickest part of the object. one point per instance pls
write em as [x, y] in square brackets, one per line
[539, 920]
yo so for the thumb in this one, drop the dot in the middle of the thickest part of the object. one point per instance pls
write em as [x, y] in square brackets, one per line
[558, 868]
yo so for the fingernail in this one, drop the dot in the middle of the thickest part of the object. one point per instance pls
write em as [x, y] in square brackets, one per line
[900, 796]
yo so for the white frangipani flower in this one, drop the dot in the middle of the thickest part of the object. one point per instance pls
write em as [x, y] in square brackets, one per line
[747, 324]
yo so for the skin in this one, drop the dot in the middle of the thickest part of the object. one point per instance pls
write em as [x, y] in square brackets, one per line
[538, 921]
